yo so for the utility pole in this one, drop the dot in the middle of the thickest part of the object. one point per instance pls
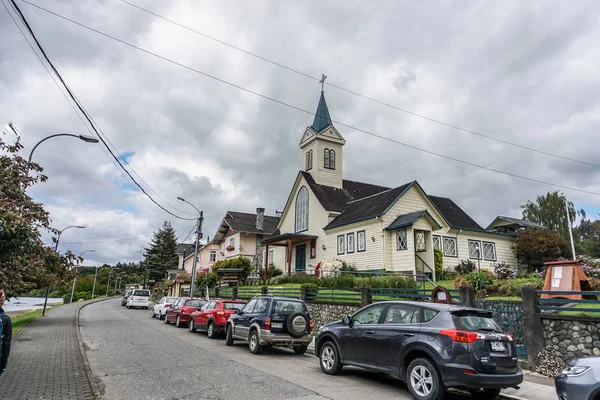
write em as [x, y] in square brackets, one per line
[108, 282]
[198, 237]
[570, 230]
[117, 281]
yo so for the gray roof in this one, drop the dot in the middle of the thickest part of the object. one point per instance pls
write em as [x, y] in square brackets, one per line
[322, 119]
[184, 248]
[410, 218]
[455, 215]
[246, 222]
[521, 222]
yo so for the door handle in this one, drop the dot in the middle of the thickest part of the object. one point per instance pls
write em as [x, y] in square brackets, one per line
[369, 332]
[408, 334]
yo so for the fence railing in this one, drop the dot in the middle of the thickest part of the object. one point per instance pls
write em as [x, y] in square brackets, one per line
[569, 305]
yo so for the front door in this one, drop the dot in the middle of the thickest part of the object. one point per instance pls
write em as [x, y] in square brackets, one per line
[301, 258]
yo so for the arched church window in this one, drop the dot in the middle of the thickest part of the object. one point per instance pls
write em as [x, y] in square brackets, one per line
[302, 210]
[326, 155]
[331, 159]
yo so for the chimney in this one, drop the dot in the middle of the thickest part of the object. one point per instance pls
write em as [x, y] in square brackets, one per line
[260, 219]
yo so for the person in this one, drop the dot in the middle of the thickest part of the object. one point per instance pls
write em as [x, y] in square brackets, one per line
[6, 335]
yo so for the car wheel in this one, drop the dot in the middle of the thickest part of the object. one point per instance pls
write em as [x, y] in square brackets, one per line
[166, 319]
[210, 332]
[191, 326]
[153, 314]
[423, 380]
[329, 358]
[128, 306]
[300, 349]
[178, 321]
[254, 344]
[228, 336]
[485, 394]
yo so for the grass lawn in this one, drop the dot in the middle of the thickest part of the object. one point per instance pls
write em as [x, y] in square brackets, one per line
[583, 313]
[503, 298]
[21, 320]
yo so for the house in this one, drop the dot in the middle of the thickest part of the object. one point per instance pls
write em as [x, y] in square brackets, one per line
[241, 234]
[207, 255]
[371, 226]
[511, 225]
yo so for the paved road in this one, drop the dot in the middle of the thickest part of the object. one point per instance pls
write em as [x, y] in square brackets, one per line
[136, 357]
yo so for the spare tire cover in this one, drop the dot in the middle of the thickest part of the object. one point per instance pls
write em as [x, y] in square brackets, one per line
[297, 324]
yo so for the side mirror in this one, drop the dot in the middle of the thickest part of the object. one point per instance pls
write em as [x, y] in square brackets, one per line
[198, 308]
[346, 320]
[236, 311]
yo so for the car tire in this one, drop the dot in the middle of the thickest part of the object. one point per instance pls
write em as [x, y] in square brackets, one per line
[296, 324]
[228, 335]
[254, 344]
[191, 326]
[166, 319]
[210, 331]
[178, 321]
[300, 349]
[153, 314]
[485, 394]
[423, 380]
[329, 359]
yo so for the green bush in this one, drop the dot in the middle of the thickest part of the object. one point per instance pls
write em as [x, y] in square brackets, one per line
[438, 260]
[465, 267]
[206, 279]
[243, 263]
[388, 282]
[343, 281]
[295, 279]
[512, 287]
[479, 280]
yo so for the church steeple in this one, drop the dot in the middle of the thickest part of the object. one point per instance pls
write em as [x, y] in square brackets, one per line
[322, 119]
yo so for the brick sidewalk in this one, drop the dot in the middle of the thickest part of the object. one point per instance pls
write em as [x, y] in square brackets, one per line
[45, 361]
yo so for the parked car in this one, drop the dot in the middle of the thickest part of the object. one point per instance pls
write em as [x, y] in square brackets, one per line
[139, 298]
[273, 321]
[213, 316]
[124, 298]
[160, 309]
[430, 346]
[180, 312]
[580, 380]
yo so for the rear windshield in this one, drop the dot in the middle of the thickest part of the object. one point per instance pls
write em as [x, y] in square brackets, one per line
[286, 307]
[233, 306]
[475, 322]
[141, 293]
[195, 303]
[170, 300]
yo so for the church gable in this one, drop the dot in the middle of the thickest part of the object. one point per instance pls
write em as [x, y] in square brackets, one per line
[316, 211]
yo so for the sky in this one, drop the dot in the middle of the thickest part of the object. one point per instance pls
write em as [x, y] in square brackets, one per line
[521, 72]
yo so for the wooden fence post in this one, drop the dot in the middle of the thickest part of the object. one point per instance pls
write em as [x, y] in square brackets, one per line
[532, 325]
[467, 295]
[365, 296]
[234, 293]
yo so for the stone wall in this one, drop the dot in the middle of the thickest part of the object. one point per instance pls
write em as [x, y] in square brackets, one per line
[323, 313]
[572, 337]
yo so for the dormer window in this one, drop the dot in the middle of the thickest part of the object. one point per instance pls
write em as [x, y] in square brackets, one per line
[309, 160]
[329, 156]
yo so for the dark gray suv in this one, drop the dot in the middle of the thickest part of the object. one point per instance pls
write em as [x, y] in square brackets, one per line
[430, 346]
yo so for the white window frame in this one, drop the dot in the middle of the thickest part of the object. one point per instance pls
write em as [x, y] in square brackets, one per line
[212, 256]
[271, 255]
[474, 249]
[232, 242]
[341, 240]
[301, 222]
[493, 247]
[437, 238]
[361, 241]
[449, 239]
[350, 246]
[401, 234]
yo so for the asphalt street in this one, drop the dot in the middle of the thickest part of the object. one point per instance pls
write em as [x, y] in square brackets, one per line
[133, 356]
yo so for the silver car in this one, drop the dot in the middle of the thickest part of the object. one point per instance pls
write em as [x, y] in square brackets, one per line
[160, 309]
[580, 380]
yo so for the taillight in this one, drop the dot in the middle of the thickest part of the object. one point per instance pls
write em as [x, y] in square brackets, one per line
[268, 324]
[462, 336]
[510, 337]
[166, 306]
[310, 326]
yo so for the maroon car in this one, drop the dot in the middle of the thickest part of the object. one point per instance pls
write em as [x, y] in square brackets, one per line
[180, 312]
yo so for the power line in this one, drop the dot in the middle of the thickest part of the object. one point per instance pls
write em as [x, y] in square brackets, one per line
[360, 94]
[124, 239]
[309, 112]
[85, 113]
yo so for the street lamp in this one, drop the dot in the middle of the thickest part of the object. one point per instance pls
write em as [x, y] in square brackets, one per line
[198, 237]
[95, 276]
[56, 249]
[75, 278]
[87, 139]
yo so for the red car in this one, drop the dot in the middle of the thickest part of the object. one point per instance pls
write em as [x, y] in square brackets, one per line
[213, 316]
[180, 312]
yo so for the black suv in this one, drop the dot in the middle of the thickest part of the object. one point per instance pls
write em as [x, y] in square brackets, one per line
[269, 320]
[430, 346]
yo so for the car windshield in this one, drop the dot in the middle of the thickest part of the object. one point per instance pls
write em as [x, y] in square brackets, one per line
[233, 306]
[171, 300]
[285, 307]
[141, 293]
[475, 322]
[195, 303]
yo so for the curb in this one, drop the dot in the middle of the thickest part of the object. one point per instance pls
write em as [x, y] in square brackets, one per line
[86, 364]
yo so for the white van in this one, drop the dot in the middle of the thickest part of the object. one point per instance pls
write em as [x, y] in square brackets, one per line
[139, 298]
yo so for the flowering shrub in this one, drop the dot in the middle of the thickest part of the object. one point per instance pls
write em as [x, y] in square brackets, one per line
[504, 271]
[465, 267]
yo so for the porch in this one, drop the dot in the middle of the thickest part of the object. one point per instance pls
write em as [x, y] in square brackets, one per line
[297, 244]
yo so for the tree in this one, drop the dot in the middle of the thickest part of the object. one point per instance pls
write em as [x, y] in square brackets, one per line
[160, 255]
[587, 238]
[549, 210]
[536, 246]
[25, 262]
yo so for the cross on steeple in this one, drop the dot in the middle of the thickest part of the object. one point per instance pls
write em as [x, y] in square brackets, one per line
[322, 82]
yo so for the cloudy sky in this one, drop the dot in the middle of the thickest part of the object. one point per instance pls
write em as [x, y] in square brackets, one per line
[524, 72]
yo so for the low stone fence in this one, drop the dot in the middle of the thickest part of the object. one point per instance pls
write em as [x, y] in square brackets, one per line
[572, 337]
[323, 313]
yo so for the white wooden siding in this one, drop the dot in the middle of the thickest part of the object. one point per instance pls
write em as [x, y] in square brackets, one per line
[372, 258]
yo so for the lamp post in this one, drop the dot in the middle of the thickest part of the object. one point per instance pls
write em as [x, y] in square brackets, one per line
[75, 278]
[87, 139]
[198, 237]
[95, 276]
[56, 250]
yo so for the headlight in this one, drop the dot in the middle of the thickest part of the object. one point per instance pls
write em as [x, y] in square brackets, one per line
[574, 370]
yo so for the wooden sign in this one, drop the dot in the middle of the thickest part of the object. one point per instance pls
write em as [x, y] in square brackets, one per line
[441, 295]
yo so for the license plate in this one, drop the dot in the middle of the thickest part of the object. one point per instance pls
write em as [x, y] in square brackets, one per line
[498, 346]
[277, 325]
